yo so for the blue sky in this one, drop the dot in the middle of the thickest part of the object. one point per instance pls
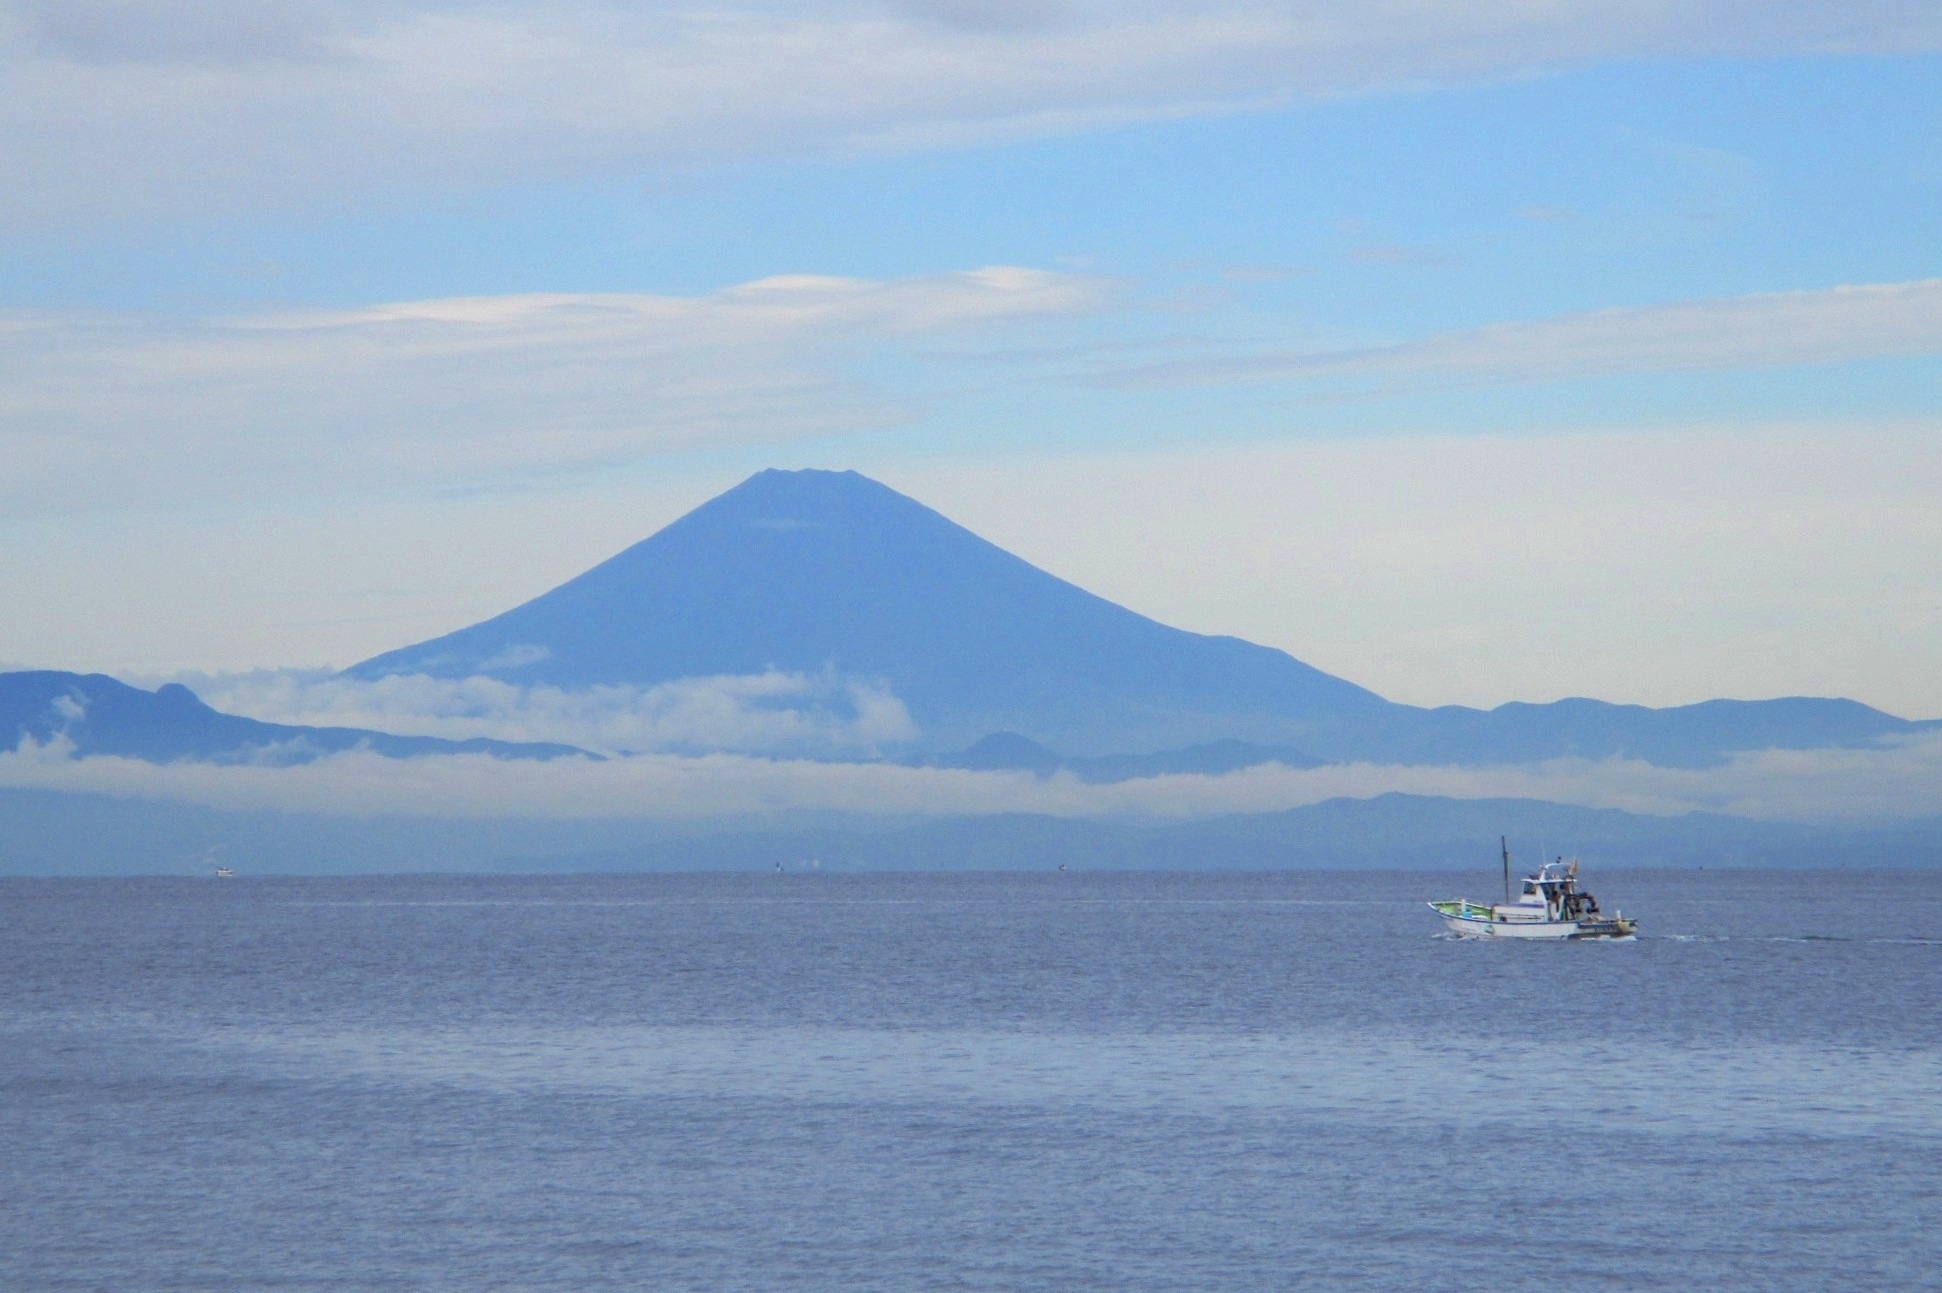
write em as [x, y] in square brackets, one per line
[1628, 183]
[1664, 276]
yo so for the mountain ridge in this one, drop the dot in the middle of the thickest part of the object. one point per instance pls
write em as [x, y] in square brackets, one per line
[100, 715]
[1011, 752]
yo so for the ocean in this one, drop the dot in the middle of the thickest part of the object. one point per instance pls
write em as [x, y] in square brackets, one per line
[1028, 1081]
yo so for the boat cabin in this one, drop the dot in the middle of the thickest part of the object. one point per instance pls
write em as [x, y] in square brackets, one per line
[1551, 894]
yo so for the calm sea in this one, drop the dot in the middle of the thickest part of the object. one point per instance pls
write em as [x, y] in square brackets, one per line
[1039, 1081]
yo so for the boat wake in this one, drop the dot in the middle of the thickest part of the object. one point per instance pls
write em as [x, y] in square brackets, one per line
[1907, 941]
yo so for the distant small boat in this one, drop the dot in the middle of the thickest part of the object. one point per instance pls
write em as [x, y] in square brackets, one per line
[224, 873]
[1550, 906]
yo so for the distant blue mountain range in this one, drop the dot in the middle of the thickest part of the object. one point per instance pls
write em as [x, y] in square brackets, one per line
[53, 833]
[1010, 752]
[817, 572]
[102, 716]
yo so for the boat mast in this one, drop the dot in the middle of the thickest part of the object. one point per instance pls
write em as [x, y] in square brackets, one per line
[1505, 841]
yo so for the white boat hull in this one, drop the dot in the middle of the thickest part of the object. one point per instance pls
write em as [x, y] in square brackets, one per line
[1483, 927]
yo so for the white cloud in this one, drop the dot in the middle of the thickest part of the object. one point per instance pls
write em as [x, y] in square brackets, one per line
[123, 106]
[1880, 783]
[769, 713]
[118, 409]
[1763, 330]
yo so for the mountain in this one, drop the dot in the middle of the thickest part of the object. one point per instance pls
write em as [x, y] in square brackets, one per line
[816, 571]
[832, 574]
[102, 716]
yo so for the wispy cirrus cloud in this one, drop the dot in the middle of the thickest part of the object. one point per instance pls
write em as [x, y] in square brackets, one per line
[109, 409]
[113, 408]
[1761, 330]
[120, 107]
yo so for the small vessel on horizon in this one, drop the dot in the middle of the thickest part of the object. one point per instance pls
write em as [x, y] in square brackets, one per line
[224, 873]
[1550, 906]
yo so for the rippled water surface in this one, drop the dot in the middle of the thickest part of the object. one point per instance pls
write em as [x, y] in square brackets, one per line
[1051, 1082]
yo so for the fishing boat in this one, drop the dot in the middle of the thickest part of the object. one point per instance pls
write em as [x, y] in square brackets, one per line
[1550, 906]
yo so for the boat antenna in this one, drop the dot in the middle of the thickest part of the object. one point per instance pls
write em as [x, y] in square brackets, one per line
[1505, 841]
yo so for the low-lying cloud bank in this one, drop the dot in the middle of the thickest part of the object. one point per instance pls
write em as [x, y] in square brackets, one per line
[1887, 782]
[766, 713]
